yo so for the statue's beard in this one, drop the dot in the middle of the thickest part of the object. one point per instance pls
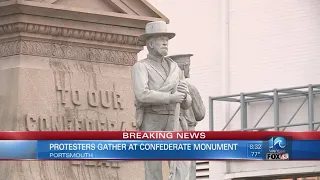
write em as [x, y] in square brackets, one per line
[161, 52]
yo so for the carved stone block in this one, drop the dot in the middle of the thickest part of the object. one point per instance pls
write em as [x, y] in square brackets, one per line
[65, 68]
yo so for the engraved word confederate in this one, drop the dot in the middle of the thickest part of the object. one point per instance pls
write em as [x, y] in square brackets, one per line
[62, 123]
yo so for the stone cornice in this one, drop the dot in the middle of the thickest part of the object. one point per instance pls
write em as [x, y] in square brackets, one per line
[68, 33]
[62, 51]
[12, 7]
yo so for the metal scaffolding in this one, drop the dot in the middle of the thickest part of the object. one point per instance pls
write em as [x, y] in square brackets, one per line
[275, 95]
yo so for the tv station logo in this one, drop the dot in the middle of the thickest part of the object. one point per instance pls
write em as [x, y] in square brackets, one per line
[277, 149]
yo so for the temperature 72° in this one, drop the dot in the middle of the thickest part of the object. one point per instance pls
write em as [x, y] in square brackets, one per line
[255, 154]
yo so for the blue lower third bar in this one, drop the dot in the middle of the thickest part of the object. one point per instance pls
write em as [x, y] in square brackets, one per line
[145, 149]
[154, 150]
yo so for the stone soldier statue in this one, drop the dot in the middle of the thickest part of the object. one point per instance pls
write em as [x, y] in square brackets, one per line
[197, 111]
[158, 88]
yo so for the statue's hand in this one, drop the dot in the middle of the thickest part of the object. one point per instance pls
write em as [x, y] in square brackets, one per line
[177, 97]
[183, 87]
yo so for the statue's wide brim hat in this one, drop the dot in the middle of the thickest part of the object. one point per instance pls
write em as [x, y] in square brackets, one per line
[181, 58]
[157, 28]
[178, 56]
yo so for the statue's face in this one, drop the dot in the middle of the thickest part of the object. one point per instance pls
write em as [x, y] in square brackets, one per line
[186, 69]
[159, 45]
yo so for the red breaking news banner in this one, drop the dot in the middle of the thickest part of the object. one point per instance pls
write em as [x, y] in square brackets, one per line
[121, 135]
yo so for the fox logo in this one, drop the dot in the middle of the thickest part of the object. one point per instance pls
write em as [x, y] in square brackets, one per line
[276, 156]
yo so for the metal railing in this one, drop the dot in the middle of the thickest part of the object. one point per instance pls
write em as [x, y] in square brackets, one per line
[274, 96]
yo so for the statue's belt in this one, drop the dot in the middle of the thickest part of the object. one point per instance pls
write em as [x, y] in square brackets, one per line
[160, 109]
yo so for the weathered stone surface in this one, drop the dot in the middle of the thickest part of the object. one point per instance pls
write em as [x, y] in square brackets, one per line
[64, 51]
[66, 66]
[48, 94]
[62, 95]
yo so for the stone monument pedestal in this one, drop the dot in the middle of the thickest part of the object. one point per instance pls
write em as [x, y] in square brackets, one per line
[66, 66]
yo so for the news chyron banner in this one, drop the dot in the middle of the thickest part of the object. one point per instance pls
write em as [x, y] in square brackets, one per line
[160, 145]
